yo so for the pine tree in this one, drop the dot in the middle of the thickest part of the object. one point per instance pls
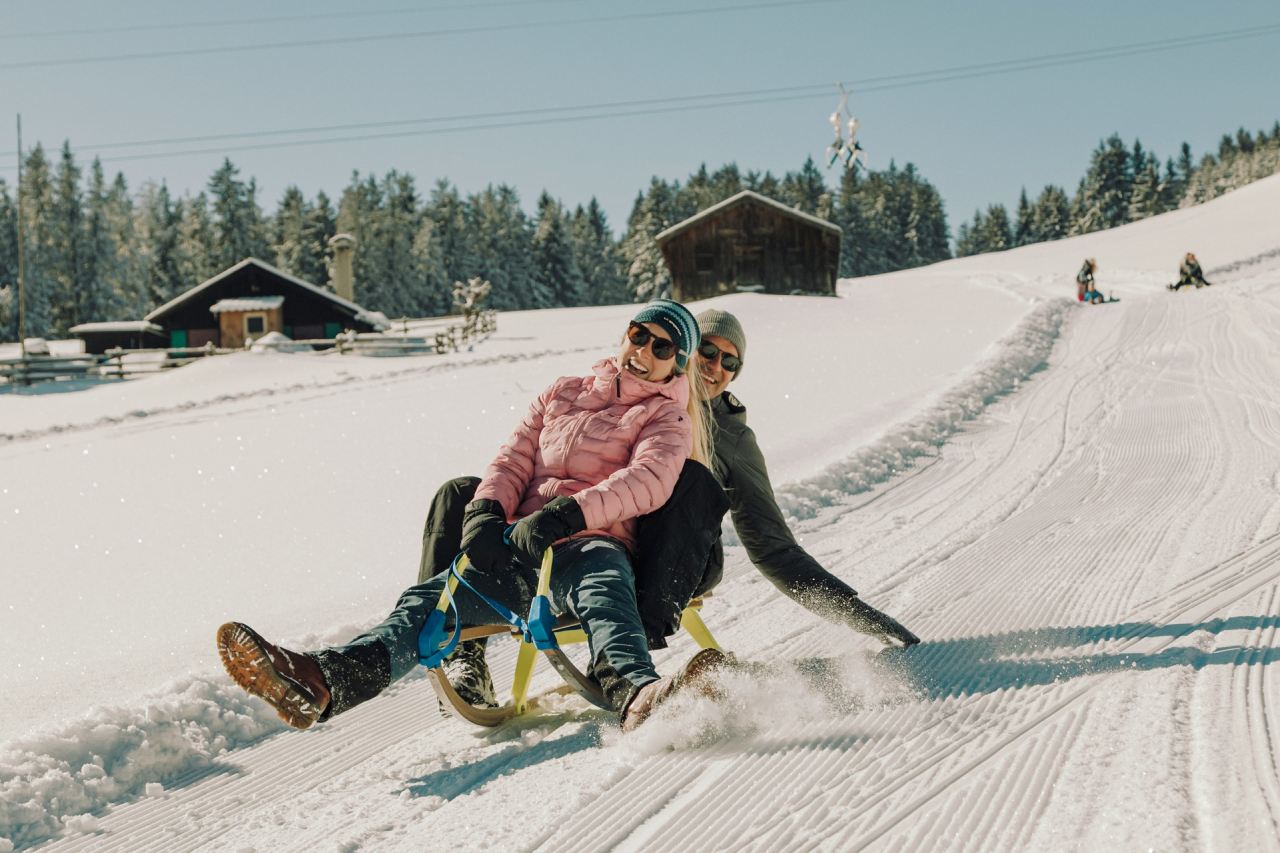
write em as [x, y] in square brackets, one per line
[103, 263]
[66, 243]
[238, 224]
[1051, 216]
[848, 215]
[597, 256]
[453, 236]
[1024, 222]
[989, 232]
[500, 250]
[403, 294]
[997, 233]
[289, 225]
[1102, 200]
[196, 259]
[159, 236]
[8, 265]
[38, 261]
[554, 264]
[964, 238]
[647, 274]
[1145, 195]
[804, 190]
[318, 226]
[359, 214]
[427, 254]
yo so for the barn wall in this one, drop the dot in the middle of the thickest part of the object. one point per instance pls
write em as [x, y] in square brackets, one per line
[749, 246]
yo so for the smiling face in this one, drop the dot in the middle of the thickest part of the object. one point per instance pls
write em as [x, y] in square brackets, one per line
[639, 360]
[714, 377]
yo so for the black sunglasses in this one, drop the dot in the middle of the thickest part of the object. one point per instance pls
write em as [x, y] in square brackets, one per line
[640, 335]
[709, 351]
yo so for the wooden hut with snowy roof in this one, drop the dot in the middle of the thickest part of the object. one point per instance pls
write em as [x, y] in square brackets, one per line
[125, 334]
[246, 301]
[749, 242]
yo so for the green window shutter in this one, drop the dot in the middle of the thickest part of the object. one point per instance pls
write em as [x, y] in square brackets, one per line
[331, 330]
[178, 338]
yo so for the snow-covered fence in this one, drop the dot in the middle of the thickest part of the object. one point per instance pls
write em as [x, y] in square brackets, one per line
[115, 363]
[41, 368]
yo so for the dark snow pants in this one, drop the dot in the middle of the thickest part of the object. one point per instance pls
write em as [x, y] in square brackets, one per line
[592, 579]
[442, 532]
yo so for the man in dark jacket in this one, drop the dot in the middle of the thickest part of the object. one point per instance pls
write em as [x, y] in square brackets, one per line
[740, 469]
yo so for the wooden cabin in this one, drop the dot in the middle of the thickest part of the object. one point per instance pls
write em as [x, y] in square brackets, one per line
[248, 300]
[125, 334]
[751, 243]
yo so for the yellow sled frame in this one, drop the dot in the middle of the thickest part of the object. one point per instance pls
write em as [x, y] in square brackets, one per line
[567, 632]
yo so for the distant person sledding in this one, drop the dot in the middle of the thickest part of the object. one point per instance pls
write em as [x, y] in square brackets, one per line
[1086, 287]
[1190, 273]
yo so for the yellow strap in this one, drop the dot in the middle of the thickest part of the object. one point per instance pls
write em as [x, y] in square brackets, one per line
[544, 576]
[525, 659]
[692, 622]
[451, 585]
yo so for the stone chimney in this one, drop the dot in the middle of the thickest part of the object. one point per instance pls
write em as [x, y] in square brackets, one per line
[340, 273]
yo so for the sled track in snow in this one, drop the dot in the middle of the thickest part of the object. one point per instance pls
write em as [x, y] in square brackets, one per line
[1048, 557]
[953, 752]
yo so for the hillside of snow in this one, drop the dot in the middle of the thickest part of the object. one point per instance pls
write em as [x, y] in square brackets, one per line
[1077, 507]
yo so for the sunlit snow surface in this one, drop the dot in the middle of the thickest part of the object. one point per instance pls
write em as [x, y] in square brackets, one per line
[1077, 507]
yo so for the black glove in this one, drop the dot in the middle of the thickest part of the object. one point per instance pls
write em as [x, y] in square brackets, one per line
[482, 527]
[534, 534]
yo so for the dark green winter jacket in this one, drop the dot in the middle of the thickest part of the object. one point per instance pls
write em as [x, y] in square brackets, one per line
[740, 468]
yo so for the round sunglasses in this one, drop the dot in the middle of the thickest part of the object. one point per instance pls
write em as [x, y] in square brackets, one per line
[709, 351]
[639, 335]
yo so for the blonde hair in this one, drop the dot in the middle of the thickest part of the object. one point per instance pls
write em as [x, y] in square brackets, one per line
[700, 419]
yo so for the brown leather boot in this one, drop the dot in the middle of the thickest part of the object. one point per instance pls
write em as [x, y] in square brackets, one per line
[695, 675]
[290, 682]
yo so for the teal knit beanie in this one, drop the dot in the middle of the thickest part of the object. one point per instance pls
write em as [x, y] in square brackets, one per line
[677, 322]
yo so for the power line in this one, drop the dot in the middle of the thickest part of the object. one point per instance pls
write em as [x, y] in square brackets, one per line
[278, 19]
[383, 37]
[685, 103]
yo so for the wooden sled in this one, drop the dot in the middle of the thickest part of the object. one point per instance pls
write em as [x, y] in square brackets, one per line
[533, 639]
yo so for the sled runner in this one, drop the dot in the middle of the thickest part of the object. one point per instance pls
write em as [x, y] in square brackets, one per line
[540, 632]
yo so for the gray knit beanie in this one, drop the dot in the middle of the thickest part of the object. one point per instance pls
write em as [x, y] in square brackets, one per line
[722, 324]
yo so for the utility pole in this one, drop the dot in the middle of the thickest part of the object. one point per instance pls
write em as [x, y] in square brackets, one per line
[22, 299]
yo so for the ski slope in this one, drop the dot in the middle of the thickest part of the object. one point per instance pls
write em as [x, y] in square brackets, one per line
[1077, 507]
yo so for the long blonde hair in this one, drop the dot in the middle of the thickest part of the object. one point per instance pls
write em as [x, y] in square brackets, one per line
[699, 417]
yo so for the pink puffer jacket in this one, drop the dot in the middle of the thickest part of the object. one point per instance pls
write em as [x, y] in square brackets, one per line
[614, 442]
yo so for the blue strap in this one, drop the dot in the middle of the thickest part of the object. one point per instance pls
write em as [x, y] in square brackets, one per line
[539, 630]
[430, 653]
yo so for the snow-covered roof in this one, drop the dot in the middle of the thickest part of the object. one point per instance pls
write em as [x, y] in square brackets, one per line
[746, 195]
[247, 303]
[117, 326]
[351, 307]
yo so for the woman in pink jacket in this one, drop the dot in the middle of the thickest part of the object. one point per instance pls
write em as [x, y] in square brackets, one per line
[592, 454]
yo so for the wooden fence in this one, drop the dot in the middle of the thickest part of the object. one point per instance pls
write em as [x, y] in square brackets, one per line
[125, 363]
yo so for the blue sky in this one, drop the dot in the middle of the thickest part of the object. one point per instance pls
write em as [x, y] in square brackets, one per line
[978, 139]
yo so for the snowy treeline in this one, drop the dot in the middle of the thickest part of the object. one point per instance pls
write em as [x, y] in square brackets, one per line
[95, 251]
[1124, 185]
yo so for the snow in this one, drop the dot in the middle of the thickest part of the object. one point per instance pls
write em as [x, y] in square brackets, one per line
[1078, 507]
[247, 303]
[116, 326]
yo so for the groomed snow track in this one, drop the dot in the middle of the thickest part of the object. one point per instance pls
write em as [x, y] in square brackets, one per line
[1094, 564]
